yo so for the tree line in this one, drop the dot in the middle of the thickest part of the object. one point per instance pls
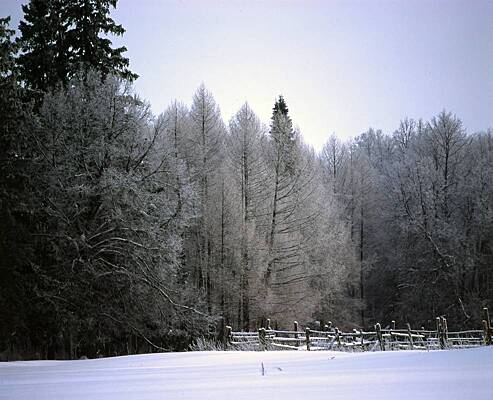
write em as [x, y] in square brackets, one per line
[126, 232]
[423, 216]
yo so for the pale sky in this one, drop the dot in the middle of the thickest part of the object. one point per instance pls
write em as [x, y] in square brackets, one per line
[342, 66]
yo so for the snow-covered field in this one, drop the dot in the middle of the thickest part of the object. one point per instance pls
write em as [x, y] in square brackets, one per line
[417, 375]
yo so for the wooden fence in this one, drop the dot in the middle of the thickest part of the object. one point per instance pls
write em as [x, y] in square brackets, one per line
[383, 339]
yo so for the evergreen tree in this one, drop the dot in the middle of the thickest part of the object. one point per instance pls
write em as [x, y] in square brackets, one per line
[283, 134]
[15, 199]
[40, 62]
[12, 110]
[61, 37]
[7, 49]
[90, 18]
[287, 270]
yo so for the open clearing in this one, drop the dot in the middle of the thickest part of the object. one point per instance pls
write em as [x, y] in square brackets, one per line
[457, 374]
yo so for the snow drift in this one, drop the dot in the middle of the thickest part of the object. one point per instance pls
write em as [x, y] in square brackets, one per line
[458, 374]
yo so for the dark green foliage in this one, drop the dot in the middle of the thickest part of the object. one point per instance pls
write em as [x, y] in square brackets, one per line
[61, 37]
[8, 48]
[9, 93]
[14, 200]
[280, 107]
[90, 19]
[42, 60]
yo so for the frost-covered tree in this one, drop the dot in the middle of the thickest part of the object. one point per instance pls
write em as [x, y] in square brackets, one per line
[206, 141]
[334, 158]
[247, 162]
[287, 271]
[105, 270]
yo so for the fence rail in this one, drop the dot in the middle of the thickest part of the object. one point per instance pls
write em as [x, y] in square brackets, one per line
[383, 339]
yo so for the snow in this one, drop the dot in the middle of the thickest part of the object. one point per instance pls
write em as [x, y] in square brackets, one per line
[455, 374]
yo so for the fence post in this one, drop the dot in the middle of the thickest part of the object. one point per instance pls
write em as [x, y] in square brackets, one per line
[338, 337]
[391, 338]
[295, 328]
[437, 320]
[378, 330]
[441, 333]
[444, 332]
[307, 337]
[261, 339]
[410, 335]
[227, 335]
[487, 327]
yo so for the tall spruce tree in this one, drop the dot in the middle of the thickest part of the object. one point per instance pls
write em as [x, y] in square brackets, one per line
[283, 134]
[286, 273]
[284, 142]
[59, 38]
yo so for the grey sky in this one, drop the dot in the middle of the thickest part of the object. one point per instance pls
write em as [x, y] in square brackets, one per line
[342, 66]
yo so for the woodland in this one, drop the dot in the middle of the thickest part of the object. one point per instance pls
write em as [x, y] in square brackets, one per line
[126, 232]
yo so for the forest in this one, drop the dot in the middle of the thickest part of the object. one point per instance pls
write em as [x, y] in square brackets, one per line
[125, 232]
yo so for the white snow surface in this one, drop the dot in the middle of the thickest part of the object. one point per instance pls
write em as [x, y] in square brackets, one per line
[455, 374]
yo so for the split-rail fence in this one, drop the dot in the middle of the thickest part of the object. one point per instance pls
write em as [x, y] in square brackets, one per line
[388, 338]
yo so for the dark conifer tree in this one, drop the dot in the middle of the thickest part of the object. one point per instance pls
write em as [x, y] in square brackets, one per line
[61, 37]
[90, 19]
[15, 207]
[41, 63]
[7, 48]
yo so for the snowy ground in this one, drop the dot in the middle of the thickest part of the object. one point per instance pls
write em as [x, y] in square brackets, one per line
[417, 375]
